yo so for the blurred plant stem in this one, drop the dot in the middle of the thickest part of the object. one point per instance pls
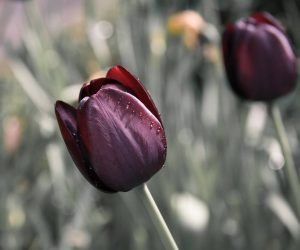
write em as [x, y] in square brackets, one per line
[157, 218]
[290, 169]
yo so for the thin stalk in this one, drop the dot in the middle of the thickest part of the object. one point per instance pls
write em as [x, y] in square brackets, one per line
[158, 220]
[290, 169]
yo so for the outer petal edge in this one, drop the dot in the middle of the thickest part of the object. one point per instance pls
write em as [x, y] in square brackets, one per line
[123, 76]
[66, 117]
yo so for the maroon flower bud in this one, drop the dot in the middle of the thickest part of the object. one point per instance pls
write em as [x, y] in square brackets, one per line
[258, 57]
[115, 136]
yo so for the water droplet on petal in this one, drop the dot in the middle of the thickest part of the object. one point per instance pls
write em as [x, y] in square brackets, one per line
[158, 130]
[128, 104]
[151, 125]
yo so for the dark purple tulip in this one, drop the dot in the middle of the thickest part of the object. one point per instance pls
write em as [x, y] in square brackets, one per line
[259, 61]
[115, 136]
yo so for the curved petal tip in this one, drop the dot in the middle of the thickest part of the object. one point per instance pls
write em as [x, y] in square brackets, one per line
[128, 80]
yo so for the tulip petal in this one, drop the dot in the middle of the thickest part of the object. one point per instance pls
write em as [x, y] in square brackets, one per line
[121, 75]
[266, 18]
[228, 41]
[93, 86]
[124, 141]
[66, 117]
[269, 48]
[253, 52]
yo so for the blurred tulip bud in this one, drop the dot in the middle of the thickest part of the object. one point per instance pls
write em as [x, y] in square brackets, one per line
[188, 23]
[259, 60]
[115, 136]
[12, 129]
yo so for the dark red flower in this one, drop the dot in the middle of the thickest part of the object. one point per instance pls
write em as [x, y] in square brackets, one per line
[259, 61]
[115, 136]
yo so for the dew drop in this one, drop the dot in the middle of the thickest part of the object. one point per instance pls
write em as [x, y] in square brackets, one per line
[151, 125]
[158, 130]
[75, 137]
[140, 115]
[127, 106]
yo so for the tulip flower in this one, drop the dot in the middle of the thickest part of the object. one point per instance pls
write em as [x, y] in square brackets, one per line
[115, 136]
[261, 66]
[259, 60]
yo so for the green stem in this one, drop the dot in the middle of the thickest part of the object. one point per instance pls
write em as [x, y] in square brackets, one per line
[158, 220]
[290, 169]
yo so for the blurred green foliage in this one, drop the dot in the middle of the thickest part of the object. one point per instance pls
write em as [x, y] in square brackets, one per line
[222, 186]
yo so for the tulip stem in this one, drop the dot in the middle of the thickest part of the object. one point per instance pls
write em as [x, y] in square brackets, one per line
[158, 220]
[290, 169]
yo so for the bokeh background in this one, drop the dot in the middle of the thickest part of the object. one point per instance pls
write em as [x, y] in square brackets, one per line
[222, 186]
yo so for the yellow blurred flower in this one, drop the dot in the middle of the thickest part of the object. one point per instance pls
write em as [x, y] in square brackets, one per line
[187, 23]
